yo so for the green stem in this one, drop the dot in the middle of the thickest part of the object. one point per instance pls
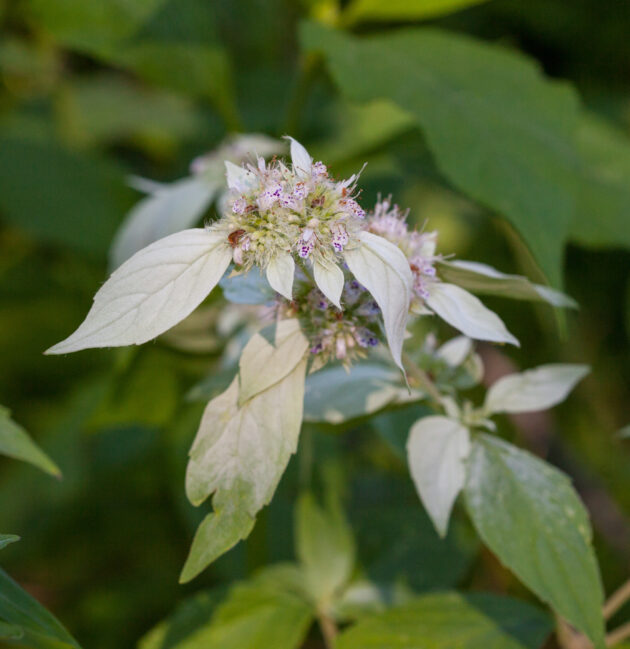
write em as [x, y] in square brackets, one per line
[424, 381]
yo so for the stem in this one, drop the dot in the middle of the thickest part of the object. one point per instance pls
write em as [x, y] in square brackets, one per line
[423, 379]
[617, 600]
[329, 629]
[301, 89]
[306, 271]
[619, 634]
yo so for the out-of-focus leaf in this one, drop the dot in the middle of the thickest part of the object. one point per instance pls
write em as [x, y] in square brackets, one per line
[448, 620]
[499, 130]
[41, 629]
[6, 539]
[395, 10]
[59, 196]
[603, 208]
[10, 632]
[529, 515]
[251, 288]
[325, 547]
[16, 443]
[333, 395]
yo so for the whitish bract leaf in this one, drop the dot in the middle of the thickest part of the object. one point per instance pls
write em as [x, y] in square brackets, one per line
[455, 351]
[465, 312]
[168, 209]
[329, 280]
[239, 455]
[300, 158]
[537, 389]
[238, 178]
[481, 278]
[152, 291]
[264, 362]
[436, 451]
[280, 272]
[383, 269]
[529, 515]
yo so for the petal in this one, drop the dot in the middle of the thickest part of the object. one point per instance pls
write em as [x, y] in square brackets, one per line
[383, 269]
[280, 273]
[329, 280]
[533, 390]
[465, 312]
[153, 291]
[301, 160]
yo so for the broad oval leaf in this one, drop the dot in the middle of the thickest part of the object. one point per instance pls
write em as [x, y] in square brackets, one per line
[466, 313]
[529, 515]
[449, 620]
[437, 449]
[280, 272]
[498, 129]
[153, 291]
[383, 269]
[537, 389]
[481, 278]
[329, 279]
[169, 209]
[264, 362]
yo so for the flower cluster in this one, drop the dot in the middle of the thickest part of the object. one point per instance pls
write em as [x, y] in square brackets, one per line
[301, 210]
[390, 222]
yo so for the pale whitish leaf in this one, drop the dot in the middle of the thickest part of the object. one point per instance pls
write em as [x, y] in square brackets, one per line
[15, 442]
[300, 158]
[6, 539]
[280, 272]
[449, 621]
[529, 515]
[41, 630]
[455, 351]
[437, 449]
[239, 455]
[481, 278]
[383, 269]
[153, 291]
[335, 395]
[466, 313]
[329, 279]
[264, 362]
[537, 389]
[395, 10]
[325, 547]
[238, 178]
[499, 130]
[168, 209]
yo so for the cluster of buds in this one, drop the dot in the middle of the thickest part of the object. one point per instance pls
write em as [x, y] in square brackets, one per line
[301, 210]
[390, 222]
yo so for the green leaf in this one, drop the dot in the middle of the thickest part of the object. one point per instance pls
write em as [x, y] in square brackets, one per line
[59, 196]
[379, 11]
[251, 288]
[499, 130]
[529, 515]
[325, 547]
[263, 613]
[239, 455]
[10, 631]
[604, 189]
[333, 395]
[16, 443]
[448, 620]
[6, 539]
[41, 629]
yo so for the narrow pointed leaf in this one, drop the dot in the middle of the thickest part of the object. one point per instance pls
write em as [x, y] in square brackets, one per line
[329, 279]
[436, 451]
[264, 362]
[384, 271]
[167, 210]
[466, 313]
[280, 272]
[6, 539]
[537, 389]
[529, 515]
[153, 291]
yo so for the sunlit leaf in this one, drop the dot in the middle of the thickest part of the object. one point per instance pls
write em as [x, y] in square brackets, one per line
[395, 10]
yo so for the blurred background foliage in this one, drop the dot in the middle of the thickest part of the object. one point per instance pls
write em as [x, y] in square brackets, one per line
[92, 91]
